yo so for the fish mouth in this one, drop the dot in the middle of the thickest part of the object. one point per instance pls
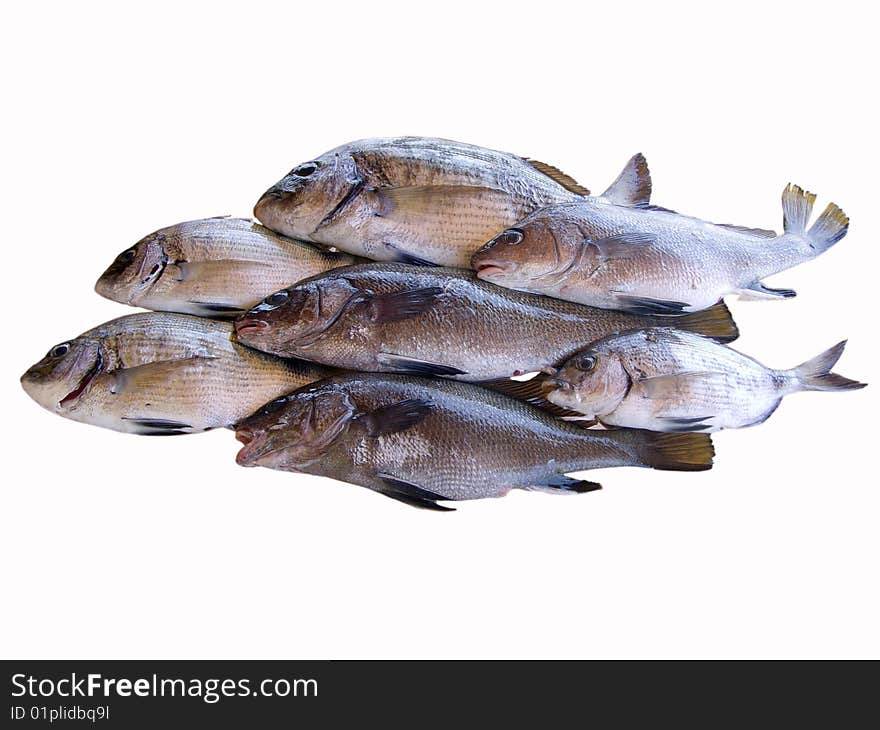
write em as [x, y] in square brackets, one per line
[255, 448]
[552, 383]
[75, 394]
[250, 326]
[491, 268]
[247, 437]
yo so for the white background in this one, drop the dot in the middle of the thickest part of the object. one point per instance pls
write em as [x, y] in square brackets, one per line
[119, 120]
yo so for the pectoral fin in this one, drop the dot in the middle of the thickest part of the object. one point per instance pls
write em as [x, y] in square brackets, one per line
[633, 186]
[533, 392]
[409, 205]
[402, 305]
[679, 385]
[154, 376]
[395, 417]
[624, 245]
[412, 494]
[759, 291]
[218, 269]
[401, 364]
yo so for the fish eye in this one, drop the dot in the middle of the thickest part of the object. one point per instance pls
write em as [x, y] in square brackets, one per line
[126, 257]
[60, 350]
[304, 170]
[587, 363]
[511, 236]
[277, 299]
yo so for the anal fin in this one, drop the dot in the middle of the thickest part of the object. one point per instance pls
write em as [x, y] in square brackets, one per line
[685, 425]
[760, 291]
[561, 484]
[649, 306]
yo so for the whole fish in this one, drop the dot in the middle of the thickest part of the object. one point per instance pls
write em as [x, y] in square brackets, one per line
[412, 199]
[423, 440]
[668, 380]
[215, 267]
[160, 374]
[390, 317]
[645, 259]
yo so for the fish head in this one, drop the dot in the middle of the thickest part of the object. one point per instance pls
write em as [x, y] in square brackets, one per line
[293, 432]
[61, 380]
[296, 317]
[524, 256]
[309, 195]
[592, 382]
[136, 270]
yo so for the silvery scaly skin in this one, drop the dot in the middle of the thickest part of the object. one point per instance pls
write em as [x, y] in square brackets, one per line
[387, 317]
[669, 380]
[414, 199]
[422, 440]
[215, 267]
[160, 374]
[638, 258]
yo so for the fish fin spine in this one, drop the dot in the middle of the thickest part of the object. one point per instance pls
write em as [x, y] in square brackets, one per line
[815, 374]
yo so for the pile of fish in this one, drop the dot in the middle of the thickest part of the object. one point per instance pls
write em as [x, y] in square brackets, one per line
[374, 326]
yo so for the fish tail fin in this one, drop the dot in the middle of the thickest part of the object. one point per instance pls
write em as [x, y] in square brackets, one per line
[676, 451]
[829, 228]
[816, 374]
[715, 322]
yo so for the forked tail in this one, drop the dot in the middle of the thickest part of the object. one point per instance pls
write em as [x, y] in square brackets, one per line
[829, 228]
[816, 374]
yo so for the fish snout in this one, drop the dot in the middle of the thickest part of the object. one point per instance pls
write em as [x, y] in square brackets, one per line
[267, 205]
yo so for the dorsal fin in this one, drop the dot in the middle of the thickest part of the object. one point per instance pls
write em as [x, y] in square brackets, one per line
[633, 185]
[557, 175]
[755, 232]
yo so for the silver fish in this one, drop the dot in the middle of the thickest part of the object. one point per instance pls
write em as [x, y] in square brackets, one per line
[669, 380]
[160, 374]
[411, 199]
[422, 441]
[642, 259]
[215, 267]
[388, 317]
